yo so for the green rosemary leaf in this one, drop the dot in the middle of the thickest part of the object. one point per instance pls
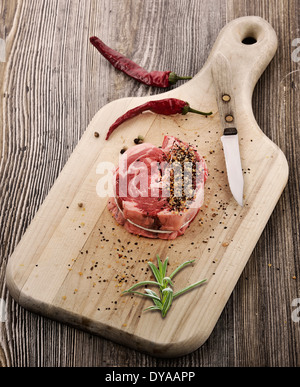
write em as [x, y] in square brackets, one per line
[181, 267]
[167, 280]
[160, 266]
[151, 292]
[167, 301]
[156, 273]
[165, 264]
[145, 295]
[157, 301]
[165, 292]
[142, 284]
[180, 292]
[152, 308]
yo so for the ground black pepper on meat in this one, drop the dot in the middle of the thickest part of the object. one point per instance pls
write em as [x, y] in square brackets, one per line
[180, 156]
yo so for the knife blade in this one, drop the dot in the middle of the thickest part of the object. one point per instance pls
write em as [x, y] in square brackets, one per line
[222, 77]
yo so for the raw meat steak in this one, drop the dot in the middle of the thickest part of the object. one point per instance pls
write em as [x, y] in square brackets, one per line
[158, 191]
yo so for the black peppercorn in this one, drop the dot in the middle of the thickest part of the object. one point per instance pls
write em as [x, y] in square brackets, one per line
[138, 140]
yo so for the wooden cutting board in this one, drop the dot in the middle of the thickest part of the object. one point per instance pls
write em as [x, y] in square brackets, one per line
[73, 262]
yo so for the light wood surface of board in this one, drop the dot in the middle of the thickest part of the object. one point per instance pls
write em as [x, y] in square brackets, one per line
[73, 262]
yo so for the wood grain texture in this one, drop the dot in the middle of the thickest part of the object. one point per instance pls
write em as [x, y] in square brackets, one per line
[72, 263]
[49, 94]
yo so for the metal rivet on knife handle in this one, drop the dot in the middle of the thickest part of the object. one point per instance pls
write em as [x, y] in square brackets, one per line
[226, 98]
[229, 118]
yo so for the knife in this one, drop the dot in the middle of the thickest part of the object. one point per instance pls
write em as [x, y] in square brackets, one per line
[222, 77]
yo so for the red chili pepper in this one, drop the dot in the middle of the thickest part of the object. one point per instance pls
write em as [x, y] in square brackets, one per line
[127, 66]
[166, 107]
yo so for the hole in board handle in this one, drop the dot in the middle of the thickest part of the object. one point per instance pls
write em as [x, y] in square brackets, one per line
[249, 40]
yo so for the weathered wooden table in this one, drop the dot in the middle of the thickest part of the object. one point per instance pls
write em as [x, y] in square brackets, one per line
[53, 82]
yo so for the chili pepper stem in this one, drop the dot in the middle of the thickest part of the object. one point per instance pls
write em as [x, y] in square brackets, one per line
[188, 109]
[173, 78]
[191, 110]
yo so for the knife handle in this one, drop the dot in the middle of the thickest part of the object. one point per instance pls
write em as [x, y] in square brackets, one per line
[222, 77]
[230, 131]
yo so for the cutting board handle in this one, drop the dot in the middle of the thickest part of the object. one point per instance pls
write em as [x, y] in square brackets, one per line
[249, 43]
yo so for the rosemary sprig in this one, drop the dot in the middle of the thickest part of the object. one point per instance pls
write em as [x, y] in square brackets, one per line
[163, 301]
